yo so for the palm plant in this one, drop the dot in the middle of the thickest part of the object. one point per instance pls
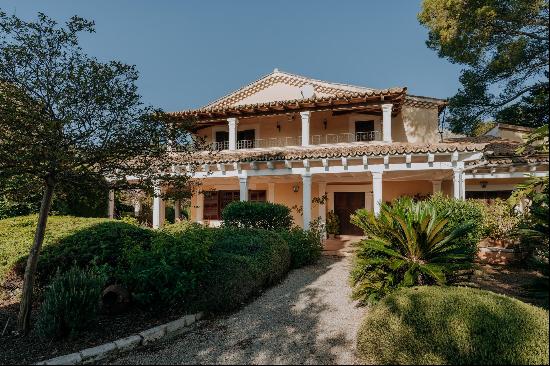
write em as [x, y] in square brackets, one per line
[408, 244]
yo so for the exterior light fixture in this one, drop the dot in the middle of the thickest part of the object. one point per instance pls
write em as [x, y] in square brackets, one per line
[325, 122]
[278, 126]
[295, 188]
[483, 183]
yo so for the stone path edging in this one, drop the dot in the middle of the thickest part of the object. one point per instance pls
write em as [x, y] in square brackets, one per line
[148, 336]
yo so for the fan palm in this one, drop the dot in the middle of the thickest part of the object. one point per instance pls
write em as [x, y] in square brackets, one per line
[408, 244]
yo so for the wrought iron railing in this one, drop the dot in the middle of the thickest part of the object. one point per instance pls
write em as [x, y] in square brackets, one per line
[332, 138]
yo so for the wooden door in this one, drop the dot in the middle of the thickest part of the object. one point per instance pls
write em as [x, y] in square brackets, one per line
[345, 204]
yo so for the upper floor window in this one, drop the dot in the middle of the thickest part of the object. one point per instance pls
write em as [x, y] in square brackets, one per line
[364, 131]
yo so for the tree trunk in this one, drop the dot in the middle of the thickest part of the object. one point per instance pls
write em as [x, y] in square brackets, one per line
[24, 320]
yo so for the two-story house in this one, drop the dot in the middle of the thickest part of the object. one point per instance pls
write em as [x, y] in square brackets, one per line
[293, 140]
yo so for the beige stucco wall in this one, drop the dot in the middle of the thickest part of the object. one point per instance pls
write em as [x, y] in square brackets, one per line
[416, 125]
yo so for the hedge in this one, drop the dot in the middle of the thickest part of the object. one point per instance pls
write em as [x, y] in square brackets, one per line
[244, 261]
[453, 325]
[260, 215]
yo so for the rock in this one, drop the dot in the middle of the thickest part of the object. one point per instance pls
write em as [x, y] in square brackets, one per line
[115, 299]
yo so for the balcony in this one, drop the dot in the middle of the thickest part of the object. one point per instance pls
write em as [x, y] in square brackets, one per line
[297, 140]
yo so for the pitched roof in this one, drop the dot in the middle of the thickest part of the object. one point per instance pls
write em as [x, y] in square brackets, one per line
[280, 86]
[281, 92]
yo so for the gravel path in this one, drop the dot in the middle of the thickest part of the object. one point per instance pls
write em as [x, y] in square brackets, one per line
[307, 319]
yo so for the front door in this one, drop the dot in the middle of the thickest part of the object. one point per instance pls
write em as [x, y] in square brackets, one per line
[345, 204]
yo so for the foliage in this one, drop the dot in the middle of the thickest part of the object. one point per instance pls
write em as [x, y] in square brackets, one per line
[16, 236]
[168, 273]
[409, 243]
[305, 245]
[261, 215]
[244, 261]
[501, 220]
[453, 325]
[71, 302]
[333, 223]
[460, 211]
[66, 117]
[503, 46]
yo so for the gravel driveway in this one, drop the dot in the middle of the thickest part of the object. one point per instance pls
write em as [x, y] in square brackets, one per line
[307, 319]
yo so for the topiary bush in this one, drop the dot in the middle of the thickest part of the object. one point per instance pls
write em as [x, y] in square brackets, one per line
[305, 245]
[259, 215]
[453, 325]
[243, 262]
[71, 302]
[409, 243]
[169, 272]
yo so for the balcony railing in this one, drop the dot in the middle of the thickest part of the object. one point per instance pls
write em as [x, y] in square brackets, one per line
[332, 138]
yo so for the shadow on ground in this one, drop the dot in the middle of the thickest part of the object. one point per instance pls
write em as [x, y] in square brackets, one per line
[307, 319]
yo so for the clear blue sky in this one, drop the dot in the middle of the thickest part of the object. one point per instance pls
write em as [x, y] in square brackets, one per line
[191, 52]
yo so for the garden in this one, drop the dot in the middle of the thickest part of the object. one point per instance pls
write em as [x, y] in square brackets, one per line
[99, 279]
[421, 273]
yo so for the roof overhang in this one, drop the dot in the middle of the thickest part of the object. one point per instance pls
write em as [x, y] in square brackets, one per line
[370, 101]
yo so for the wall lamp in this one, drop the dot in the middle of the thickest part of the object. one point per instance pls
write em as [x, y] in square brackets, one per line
[295, 188]
[278, 126]
[325, 122]
[483, 183]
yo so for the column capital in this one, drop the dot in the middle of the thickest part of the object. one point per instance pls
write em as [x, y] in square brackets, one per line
[306, 175]
[387, 107]
[376, 175]
[305, 114]
[233, 121]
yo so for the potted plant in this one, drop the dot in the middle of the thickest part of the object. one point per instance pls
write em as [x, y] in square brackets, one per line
[333, 225]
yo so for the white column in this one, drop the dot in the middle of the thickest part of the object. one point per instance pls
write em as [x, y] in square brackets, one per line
[243, 187]
[271, 192]
[376, 192]
[458, 184]
[306, 199]
[199, 209]
[462, 186]
[137, 207]
[386, 122]
[233, 123]
[436, 186]
[323, 206]
[111, 206]
[305, 127]
[158, 209]
[177, 210]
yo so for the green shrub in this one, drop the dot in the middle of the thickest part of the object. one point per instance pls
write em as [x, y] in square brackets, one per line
[17, 233]
[500, 220]
[102, 243]
[453, 325]
[460, 211]
[333, 223]
[244, 261]
[409, 243]
[259, 215]
[305, 246]
[167, 273]
[71, 302]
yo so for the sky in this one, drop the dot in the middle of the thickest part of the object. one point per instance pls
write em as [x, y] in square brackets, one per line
[189, 53]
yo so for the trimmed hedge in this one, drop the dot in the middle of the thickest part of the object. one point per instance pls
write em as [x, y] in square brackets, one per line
[17, 233]
[453, 325]
[169, 272]
[305, 246]
[259, 215]
[244, 261]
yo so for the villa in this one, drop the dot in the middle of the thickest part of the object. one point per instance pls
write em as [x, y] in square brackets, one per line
[320, 146]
